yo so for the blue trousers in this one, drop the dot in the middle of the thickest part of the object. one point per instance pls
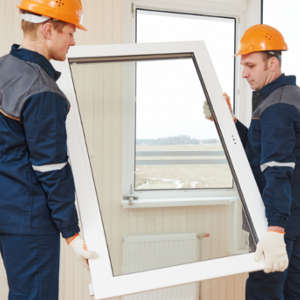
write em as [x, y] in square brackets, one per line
[32, 266]
[278, 285]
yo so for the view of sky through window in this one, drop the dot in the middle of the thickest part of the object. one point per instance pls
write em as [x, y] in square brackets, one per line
[176, 147]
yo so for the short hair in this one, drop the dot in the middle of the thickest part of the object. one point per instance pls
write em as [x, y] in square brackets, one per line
[31, 28]
[273, 53]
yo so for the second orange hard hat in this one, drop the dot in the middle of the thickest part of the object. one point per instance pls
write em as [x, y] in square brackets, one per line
[69, 11]
[261, 37]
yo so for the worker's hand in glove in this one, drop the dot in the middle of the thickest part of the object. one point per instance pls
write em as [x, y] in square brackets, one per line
[272, 247]
[77, 244]
[208, 114]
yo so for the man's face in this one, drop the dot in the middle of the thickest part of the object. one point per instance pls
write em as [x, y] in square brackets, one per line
[256, 69]
[61, 41]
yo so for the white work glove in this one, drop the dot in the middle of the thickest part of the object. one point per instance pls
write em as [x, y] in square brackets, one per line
[77, 244]
[273, 248]
[207, 113]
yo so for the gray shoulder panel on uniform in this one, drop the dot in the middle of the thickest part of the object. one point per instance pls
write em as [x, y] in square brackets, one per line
[288, 94]
[19, 81]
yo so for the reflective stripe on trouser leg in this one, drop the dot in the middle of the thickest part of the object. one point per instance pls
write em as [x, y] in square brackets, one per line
[48, 168]
[32, 266]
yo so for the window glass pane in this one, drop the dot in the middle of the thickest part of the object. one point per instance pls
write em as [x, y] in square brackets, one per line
[146, 239]
[284, 16]
[217, 32]
[176, 147]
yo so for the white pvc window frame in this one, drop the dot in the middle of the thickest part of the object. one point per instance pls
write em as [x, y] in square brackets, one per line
[231, 9]
[166, 197]
[105, 284]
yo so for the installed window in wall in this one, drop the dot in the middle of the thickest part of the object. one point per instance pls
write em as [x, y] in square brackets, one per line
[176, 148]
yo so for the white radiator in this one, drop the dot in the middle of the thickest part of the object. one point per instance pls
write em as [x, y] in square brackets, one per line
[146, 252]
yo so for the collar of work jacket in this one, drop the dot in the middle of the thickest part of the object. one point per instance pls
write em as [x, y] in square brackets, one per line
[259, 96]
[36, 58]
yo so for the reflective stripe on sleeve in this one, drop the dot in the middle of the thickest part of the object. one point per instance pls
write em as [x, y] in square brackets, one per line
[48, 168]
[264, 166]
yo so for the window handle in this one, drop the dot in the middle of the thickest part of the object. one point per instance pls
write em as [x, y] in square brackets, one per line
[130, 198]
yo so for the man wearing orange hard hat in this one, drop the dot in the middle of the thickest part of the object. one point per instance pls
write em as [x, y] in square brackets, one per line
[37, 201]
[272, 145]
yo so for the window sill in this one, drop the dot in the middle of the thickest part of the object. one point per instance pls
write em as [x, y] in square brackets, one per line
[207, 201]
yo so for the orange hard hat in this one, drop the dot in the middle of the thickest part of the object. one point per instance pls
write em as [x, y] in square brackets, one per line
[261, 37]
[69, 11]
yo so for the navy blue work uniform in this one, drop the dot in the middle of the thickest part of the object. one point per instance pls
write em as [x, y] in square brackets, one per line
[272, 144]
[36, 181]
